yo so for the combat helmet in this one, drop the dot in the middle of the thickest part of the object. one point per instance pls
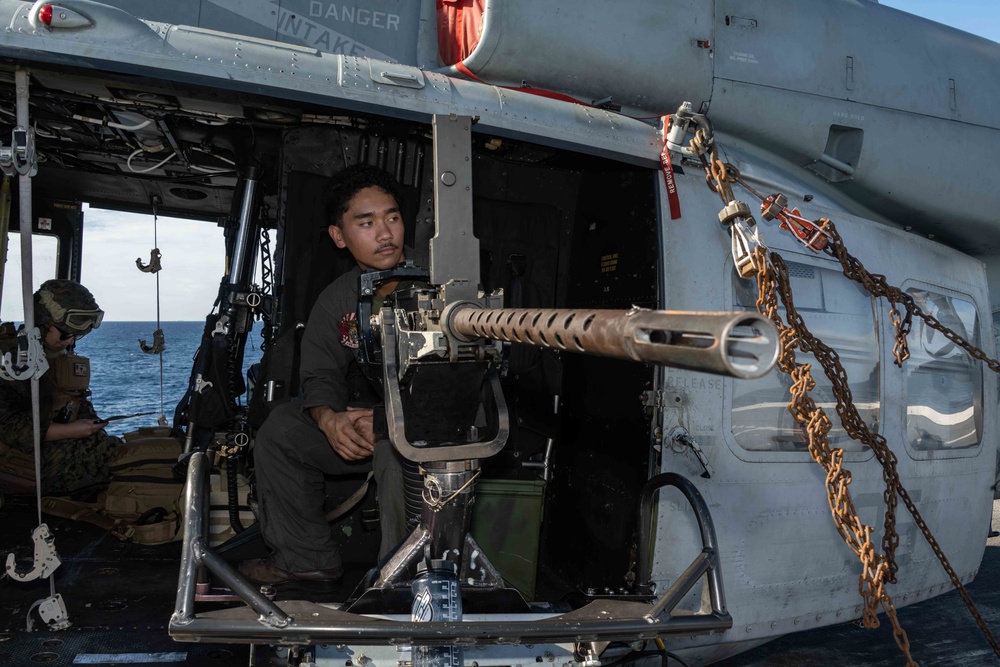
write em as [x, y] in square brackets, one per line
[67, 305]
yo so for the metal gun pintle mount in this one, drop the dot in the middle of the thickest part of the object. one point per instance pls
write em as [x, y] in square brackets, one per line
[741, 345]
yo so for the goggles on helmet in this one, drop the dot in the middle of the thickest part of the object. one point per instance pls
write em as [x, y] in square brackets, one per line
[80, 322]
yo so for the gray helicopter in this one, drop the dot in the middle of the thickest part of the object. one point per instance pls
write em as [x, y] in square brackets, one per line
[664, 210]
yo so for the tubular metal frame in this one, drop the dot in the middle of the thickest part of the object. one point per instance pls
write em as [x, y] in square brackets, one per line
[303, 623]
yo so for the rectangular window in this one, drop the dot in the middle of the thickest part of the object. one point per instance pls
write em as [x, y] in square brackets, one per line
[944, 385]
[44, 263]
[841, 314]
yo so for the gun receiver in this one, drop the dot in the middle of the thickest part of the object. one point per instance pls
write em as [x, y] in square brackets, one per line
[741, 345]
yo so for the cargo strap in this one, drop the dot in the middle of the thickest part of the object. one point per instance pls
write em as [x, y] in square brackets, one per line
[67, 508]
[355, 498]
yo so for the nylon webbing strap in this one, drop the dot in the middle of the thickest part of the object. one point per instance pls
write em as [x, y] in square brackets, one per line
[27, 291]
[355, 498]
[27, 277]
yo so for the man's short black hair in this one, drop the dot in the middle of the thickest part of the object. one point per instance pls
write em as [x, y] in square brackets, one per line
[349, 181]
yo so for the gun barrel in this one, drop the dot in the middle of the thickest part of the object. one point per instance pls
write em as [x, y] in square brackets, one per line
[742, 345]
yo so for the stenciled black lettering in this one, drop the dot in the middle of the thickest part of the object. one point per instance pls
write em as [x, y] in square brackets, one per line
[323, 41]
[292, 24]
[340, 45]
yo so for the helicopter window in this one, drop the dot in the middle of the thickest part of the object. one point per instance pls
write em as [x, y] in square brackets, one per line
[944, 385]
[44, 262]
[841, 314]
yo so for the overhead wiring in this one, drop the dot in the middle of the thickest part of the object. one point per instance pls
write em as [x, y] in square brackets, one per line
[149, 169]
[108, 123]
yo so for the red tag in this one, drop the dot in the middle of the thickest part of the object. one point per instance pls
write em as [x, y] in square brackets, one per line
[668, 179]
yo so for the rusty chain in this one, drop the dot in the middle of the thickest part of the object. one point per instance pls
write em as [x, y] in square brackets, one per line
[719, 175]
[877, 286]
[773, 285]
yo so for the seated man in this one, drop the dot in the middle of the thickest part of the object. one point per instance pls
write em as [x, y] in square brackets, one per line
[302, 441]
[75, 448]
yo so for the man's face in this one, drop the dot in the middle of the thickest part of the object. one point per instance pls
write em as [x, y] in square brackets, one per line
[371, 229]
[56, 339]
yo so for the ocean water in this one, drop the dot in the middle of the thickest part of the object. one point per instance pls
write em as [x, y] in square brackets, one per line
[125, 380]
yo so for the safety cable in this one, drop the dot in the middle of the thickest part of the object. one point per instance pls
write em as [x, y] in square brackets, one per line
[162, 419]
[154, 267]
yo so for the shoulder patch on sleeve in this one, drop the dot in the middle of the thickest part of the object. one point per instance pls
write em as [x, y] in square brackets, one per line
[349, 330]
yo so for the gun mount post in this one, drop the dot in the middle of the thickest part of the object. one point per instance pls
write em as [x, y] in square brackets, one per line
[240, 273]
[451, 464]
[454, 249]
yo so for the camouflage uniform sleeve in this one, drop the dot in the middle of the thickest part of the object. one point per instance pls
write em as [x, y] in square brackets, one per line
[15, 412]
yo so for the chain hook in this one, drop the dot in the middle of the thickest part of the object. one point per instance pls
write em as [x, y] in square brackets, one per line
[678, 126]
[154, 262]
[744, 237]
[159, 345]
[29, 361]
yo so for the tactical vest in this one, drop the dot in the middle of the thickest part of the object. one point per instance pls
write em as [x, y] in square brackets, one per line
[70, 373]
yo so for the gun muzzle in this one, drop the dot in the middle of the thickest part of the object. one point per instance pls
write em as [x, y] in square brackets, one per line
[742, 345]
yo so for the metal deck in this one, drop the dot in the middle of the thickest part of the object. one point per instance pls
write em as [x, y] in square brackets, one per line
[120, 596]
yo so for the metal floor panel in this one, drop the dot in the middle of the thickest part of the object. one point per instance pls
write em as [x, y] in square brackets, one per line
[119, 597]
[137, 646]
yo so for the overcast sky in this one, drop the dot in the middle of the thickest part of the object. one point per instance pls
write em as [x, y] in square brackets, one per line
[192, 251]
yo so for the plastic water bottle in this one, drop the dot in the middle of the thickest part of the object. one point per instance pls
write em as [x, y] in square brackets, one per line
[436, 597]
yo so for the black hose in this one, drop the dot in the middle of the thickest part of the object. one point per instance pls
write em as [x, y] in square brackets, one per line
[413, 489]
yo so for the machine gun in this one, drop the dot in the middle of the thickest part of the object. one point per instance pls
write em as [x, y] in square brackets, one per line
[445, 408]
[440, 349]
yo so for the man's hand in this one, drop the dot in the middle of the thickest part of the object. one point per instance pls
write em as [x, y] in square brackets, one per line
[349, 433]
[80, 428]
